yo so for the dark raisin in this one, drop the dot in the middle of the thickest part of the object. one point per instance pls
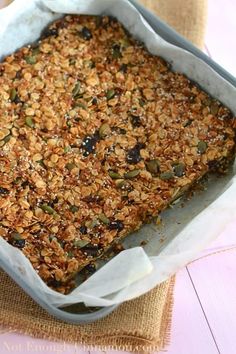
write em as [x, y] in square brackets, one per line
[25, 184]
[20, 243]
[92, 199]
[135, 121]
[116, 51]
[89, 144]
[18, 100]
[86, 33]
[122, 131]
[83, 229]
[90, 269]
[116, 225]
[213, 165]
[4, 191]
[91, 250]
[95, 100]
[54, 283]
[123, 68]
[18, 74]
[50, 32]
[133, 155]
[53, 202]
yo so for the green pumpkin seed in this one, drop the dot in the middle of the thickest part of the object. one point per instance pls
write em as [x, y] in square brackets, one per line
[104, 130]
[179, 169]
[29, 122]
[116, 54]
[214, 108]
[207, 101]
[80, 243]
[76, 89]
[30, 60]
[114, 175]
[131, 174]
[81, 105]
[92, 223]
[153, 166]
[70, 254]
[41, 163]
[16, 236]
[141, 102]
[187, 123]
[69, 166]
[35, 51]
[124, 42]
[201, 147]
[7, 138]
[74, 208]
[13, 94]
[67, 149]
[166, 175]
[104, 219]
[47, 209]
[123, 184]
[110, 94]
[18, 180]
[72, 61]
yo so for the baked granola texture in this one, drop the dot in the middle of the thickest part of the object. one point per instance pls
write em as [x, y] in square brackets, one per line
[97, 136]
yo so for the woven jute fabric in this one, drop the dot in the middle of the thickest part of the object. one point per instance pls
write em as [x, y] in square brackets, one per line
[139, 325]
[142, 324]
[188, 17]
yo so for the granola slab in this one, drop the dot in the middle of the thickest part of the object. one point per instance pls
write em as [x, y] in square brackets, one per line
[97, 136]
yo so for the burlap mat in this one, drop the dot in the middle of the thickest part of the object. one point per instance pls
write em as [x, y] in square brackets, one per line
[139, 325]
[142, 324]
[188, 17]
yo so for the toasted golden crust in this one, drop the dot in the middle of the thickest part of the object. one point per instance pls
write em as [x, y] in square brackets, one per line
[96, 136]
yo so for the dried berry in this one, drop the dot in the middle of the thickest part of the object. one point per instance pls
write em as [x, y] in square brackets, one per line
[135, 121]
[4, 191]
[116, 51]
[91, 250]
[133, 155]
[123, 68]
[83, 229]
[89, 144]
[17, 240]
[86, 33]
[50, 32]
[116, 225]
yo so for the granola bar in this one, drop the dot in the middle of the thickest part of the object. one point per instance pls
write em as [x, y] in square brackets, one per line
[97, 136]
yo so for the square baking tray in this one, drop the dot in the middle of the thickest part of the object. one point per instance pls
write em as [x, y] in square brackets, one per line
[78, 313]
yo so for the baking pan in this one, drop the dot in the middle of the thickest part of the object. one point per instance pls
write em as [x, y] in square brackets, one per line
[78, 313]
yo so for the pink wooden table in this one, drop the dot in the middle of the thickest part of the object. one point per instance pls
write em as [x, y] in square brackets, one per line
[204, 316]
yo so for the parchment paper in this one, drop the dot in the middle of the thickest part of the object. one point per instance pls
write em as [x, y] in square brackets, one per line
[135, 270]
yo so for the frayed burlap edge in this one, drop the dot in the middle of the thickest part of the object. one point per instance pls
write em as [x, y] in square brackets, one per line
[140, 325]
